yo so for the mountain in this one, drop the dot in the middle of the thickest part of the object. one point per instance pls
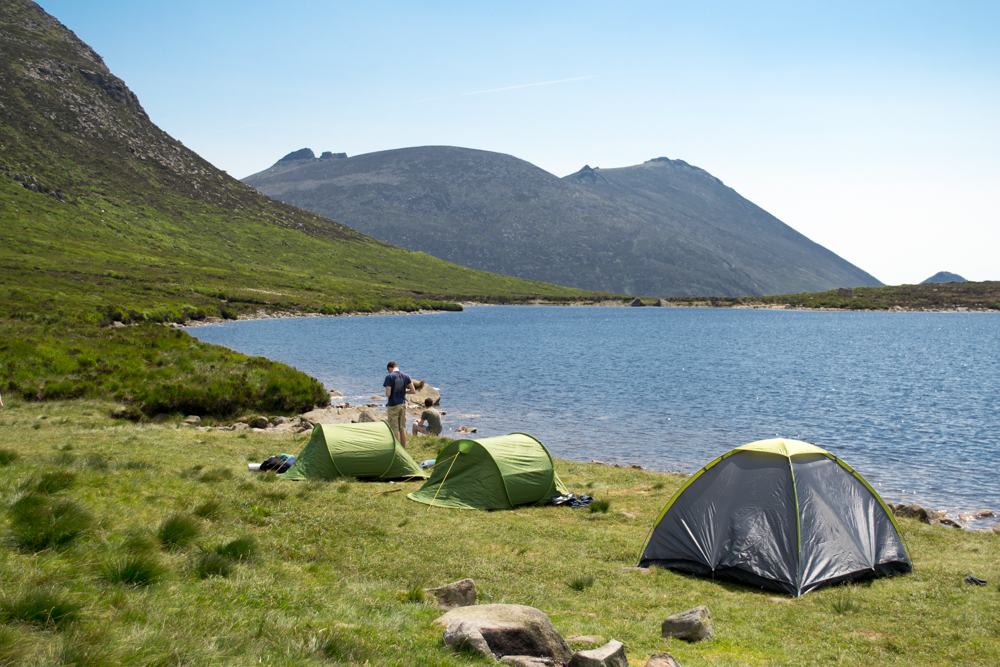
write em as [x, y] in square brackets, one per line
[107, 220]
[662, 228]
[945, 277]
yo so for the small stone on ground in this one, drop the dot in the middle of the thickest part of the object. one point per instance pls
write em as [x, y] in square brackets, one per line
[693, 625]
[611, 654]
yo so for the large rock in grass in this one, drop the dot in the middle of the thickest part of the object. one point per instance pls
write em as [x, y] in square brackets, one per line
[662, 660]
[465, 636]
[611, 654]
[512, 629]
[692, 625]
[458, 594]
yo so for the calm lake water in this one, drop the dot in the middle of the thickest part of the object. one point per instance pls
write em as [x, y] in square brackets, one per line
[908, 399]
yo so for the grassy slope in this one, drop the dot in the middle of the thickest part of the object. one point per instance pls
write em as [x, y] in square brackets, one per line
[104, 217]
[937, 296]
[335, 559]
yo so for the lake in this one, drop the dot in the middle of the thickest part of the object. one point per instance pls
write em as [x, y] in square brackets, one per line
[908, 399]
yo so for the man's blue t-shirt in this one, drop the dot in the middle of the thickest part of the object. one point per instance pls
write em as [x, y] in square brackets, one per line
[399, 381]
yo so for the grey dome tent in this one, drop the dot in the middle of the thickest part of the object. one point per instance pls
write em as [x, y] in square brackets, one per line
[777, 514]
[367, 451]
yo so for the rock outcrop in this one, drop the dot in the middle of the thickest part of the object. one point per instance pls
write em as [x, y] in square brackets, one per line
[611, 654]
[692, 625]
[458, 594]
[512, 629]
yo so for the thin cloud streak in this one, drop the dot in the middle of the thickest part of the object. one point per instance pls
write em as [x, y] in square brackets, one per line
[497, 90]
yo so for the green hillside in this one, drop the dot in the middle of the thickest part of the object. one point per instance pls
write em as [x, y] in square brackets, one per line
[662, 228]
[105, 218]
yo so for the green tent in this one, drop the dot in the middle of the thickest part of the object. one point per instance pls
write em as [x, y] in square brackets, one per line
[491, 473]
[364, 451]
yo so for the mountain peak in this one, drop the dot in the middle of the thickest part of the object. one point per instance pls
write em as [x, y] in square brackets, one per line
[945, 277]
[301, 154]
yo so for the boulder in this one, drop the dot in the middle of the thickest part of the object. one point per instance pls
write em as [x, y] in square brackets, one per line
[464, 635]
[637, 303]
[914, 511]
[277, 421]
[512, 629]
[951, 523]
[458, 594]
[611, 654]
[240, 426]
[692, 625]
[368, 415]
[996, 528]
[423, 391]
[259, 422]
[662, 660]
[192, 420]
[529, 661]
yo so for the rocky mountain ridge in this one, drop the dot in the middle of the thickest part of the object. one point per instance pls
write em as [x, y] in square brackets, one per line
[663, 228]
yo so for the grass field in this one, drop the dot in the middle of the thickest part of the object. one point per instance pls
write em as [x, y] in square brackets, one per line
[159, 548]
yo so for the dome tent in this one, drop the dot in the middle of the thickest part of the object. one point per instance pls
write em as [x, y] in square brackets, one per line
[491, 473]
[777, 514]
[365, 451]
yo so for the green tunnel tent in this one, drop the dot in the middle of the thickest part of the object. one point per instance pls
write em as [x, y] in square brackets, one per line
[491, 473]
[777, 514]
[364, 451]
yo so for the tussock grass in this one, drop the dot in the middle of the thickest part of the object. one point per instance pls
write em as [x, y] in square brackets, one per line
[600, 506]
[178, 530]
[208, 509]
[134, 569]
[327, 579]
[54, 482]
[415, 593]
[7, 456]
[38, 522]
[211, 564]
[44, 606]
[240, 549]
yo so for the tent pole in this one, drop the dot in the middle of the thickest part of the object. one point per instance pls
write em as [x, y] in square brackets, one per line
[453, 459]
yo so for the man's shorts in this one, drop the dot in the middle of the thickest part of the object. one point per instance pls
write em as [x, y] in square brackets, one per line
[397, 418]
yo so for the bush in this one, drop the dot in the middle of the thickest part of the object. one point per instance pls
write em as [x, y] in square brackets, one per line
[7, 456]
[134, 569]
[211, 564]
[39, 523]
[240, 549]
[178, 530]
[45, 606]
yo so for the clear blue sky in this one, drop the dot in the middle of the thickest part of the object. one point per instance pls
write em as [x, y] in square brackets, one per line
[871, 127]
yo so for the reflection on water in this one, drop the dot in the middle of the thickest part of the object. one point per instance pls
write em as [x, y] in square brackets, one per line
[909, 399]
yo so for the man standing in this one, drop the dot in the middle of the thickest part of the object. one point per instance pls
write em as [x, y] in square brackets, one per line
[397, 385]
[432, 418]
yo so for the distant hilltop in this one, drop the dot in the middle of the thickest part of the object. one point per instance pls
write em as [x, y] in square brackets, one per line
[945, 277]
[663, 228]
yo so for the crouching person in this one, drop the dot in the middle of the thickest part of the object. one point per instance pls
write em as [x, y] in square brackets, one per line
[430, 420]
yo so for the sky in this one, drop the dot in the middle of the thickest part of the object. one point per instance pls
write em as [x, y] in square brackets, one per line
[871, 127]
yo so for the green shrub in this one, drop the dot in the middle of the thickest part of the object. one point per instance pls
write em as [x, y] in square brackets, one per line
[133, 569]
[40, 523]
[601, 506]
[240, 549]
[45, 606]
[54, 482]
[7, 456]
[581, 584]
[211, 564]
[178, 530]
